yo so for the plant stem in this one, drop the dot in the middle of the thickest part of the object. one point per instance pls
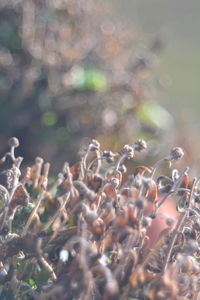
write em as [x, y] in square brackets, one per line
[178, 228]
[34, 211]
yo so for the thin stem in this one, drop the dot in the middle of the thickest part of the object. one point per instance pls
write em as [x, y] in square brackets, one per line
[18, 161]
[174, 237]
[178, 228]
[58, 212]
[120, 160]
[12, 152]
[38, 168]
[158, 164]
[33, 213]
[98, 166]
[44, 262]
[84, 162]
[198, 180]
[185, 171]
[83, 186]
[173, 188]
[169, 194]
[194, 211]
[88, 279]
[82, 170]
[43, 181]
[11, 194]
[70, 178]
[96, 159]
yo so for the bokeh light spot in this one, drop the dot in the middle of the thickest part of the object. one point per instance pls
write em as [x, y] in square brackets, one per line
[49, 118]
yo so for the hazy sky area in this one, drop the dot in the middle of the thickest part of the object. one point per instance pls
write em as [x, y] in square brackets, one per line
[179, 23]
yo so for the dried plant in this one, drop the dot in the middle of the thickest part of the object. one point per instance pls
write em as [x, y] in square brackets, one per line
[89, 233]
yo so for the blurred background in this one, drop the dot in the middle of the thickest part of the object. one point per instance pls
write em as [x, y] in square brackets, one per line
[111, 70]
[177, 22]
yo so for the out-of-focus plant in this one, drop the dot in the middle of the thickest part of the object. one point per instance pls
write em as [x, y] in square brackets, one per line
[68, 70]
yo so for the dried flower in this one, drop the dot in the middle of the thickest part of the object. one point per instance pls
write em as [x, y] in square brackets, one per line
[140, 145]
[139, 203]
[129, 151]
[122, 169]
[169, 221]
[109, 156]
[114, 182]
[13, 142]
[94, 145]
[176, 153]
[146, 222]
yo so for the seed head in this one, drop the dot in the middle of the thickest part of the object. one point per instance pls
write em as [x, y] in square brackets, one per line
[146, 222]
[129, 151]
[139, 203]
[176, 153]
[110, 160]
[140, 145]
[191, 247]
[108, 155]
[122, 169]
[169, 221]
[114, 182]
[39, 160]
[94, 145]
[13, 142]
[197, 224]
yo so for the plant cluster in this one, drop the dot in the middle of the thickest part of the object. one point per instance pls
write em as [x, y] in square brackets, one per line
[87, 234]
[68, 71]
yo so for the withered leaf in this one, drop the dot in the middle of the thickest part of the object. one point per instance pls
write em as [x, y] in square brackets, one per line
[130, 193]
[94, 182]
[20, 197]
[7, 179]
[122, 218]
[63, 187]
[75, 169]
[153, 192]
[184, 184]
[110, 191]
[6, 162]
[141, 170]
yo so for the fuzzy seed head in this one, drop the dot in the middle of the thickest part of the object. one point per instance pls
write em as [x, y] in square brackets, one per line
[122, 168]
[107, 154]
[140, 145]
[191, 247]
[39, 160]
[170, 221]
[110, 160]
[94, 145]
[129, 151]
[13, 142]
[146, 222]
[176, 153]
[139, 203]
[114, 182]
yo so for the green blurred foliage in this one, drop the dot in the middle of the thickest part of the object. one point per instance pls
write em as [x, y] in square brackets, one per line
[154, 115]
[69, 73]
